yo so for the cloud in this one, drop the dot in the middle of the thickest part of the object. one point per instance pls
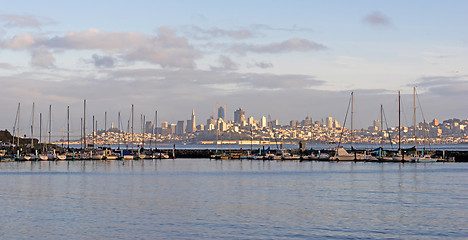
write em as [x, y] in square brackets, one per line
[40, 57]
[11, 21]
[94, 39]
[19, 42]
[377, 19]
[166, 48]
[226, 64]
[259, 27]
[7, 66]
[444, 85]
[103, 61]
[290, 45]
[200, 33]
[263, 65]
[285, 97]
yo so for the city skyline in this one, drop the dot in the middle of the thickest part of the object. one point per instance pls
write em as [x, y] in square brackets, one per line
[177, 56]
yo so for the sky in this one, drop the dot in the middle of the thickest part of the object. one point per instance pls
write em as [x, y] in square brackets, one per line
[288, 60]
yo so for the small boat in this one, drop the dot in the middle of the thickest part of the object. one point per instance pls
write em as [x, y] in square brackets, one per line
[423, 159]
[61, 157]
[43, 157]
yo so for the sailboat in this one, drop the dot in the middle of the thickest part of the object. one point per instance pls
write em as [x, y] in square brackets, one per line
[423, 157]
[400, 155]
[340, 153]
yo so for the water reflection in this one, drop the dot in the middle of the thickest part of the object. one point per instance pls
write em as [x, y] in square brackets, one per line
[201, 198]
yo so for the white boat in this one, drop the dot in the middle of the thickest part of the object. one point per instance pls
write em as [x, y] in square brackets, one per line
[43, 157]
[61, 157]
[423, 159]
[97, 156]
[342, 155]
[25, 158]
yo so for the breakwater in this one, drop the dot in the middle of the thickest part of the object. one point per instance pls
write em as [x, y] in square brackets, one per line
[258, 154]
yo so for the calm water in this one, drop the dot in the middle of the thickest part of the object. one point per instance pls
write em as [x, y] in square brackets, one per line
[203, 199]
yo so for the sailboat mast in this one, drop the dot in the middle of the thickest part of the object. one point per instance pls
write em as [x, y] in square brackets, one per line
[40, 127]
[105, 124]
[120, 134]
[32, 128]
[381, 126]
[93, 132]
[155, 128]
[352, 113]
[81, 133]
[132, 127]
[142, 129]
[18, 134]
[68, 127]
[50, 122]
[84, 124]
[414, 109]
[399, 121]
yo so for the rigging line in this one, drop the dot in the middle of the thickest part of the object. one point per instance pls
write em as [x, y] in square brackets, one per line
[16, 120]
[344, 122]
[386, 124]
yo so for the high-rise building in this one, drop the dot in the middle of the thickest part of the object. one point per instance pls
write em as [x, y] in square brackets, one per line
[173, 127]
[263, 122]
[239, 116]
[336, 124]
[149, 127]
[307, 121]
[180, 129]
[377, 124]
[250, 120]
[164, 125]
[189, 129]
[192, 127]
[293, 123]
[329, 122]
[221, 113]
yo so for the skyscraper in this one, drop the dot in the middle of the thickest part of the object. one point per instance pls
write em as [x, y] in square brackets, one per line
[329, 122]
[239, 116]
[149, 127]
[263, 122]
[194, 124]
[191, 124]
[180, 129]
[221, 113]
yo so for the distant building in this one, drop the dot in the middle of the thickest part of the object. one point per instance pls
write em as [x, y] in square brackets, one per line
[189, 129]
[149, 127]
[377, 124]
[191, 124]
[180, 129]
[221, 113]
[239, 116]
[293, 123]
[329, 122]
[435, 122]
[274, 123]
[173, 127]
[307, 121]
[263, 122]
[222, 126]
[164, 124]
[336, 124]
[250, 120]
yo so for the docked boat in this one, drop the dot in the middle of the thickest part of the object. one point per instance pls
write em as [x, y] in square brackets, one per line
[423, 159]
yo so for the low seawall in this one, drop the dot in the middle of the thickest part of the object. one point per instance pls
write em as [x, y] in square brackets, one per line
[454, 156]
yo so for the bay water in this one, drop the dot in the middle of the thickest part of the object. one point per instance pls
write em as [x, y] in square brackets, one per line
[208, 199]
